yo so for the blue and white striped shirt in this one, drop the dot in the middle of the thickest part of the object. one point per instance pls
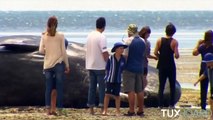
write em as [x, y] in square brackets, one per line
[114, 69]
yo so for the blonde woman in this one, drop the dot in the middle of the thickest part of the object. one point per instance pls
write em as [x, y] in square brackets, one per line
[52, 44]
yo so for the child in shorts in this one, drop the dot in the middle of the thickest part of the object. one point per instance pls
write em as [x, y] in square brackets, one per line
[114, 67]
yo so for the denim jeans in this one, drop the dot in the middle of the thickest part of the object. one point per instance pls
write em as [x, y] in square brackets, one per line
[96, 77]
[57, 73]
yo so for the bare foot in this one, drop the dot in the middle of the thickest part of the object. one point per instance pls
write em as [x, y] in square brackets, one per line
[104, 113]
[91, 109]
[118, 114]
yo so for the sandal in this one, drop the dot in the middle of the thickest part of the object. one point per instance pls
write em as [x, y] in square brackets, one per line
[140, 114]
[130, 114]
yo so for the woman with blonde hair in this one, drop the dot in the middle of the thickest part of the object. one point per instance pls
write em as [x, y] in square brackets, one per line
[52, 44]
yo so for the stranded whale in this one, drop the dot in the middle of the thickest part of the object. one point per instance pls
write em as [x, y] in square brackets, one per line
[22, 82]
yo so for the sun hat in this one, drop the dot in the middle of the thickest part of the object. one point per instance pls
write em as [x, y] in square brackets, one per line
[118, 44]
[132, 29]
[208, 58]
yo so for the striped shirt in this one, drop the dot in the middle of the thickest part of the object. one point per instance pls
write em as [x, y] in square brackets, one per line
[114, 69]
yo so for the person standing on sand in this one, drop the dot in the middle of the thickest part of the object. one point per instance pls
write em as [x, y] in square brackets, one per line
[145, 33]
[165, 50]
[133, 74]
[96, 57]
[54, 91]
[55, 62]
[208, 73]
[203, 47]
[114, 68]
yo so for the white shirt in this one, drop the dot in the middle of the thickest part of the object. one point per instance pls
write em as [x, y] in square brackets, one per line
[95, 46]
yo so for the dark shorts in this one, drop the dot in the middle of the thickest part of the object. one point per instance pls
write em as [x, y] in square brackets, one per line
[145, 72]
[113, 88]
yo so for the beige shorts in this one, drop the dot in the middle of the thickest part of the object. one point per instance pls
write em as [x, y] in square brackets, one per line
[132, 82]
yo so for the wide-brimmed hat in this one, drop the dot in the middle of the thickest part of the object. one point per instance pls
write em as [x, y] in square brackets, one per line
[118, 44]
[208, 58]
[132, 29]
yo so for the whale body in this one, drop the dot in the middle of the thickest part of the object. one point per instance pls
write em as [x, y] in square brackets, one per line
[22, 82]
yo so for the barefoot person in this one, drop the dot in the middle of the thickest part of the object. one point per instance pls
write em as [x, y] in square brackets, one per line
[166, 49]
[96, 57]
[54, 91]
[208, 73]
[204, 46]
[114, 68]
[55, 62]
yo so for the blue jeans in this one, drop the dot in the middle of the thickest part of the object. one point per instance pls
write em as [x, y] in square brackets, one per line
[96, 77]
[57, 73]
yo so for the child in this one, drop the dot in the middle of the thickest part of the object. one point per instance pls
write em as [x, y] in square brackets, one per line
[114, 68]
[208, 59]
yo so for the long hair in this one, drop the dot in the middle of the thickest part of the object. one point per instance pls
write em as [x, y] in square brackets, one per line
[52, 25]
[144, 31]
[208, 37]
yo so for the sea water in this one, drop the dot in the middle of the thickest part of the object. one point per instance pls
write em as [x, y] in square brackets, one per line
[190, 25]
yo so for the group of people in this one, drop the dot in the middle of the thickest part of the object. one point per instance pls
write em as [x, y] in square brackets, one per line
[127, 64]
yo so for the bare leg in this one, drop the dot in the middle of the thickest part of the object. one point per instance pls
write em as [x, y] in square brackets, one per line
[48, 111]
[140, 97]
[131, 99]
[117, 104]
[53, 101]
[106, 103]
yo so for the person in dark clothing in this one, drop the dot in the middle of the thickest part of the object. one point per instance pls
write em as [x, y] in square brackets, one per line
[203, 47]
[208, 73]
[166, 49]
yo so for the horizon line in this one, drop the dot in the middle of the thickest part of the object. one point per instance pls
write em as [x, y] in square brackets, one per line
[106, 10]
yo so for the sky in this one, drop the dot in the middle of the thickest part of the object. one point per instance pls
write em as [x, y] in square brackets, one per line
[91, 5]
